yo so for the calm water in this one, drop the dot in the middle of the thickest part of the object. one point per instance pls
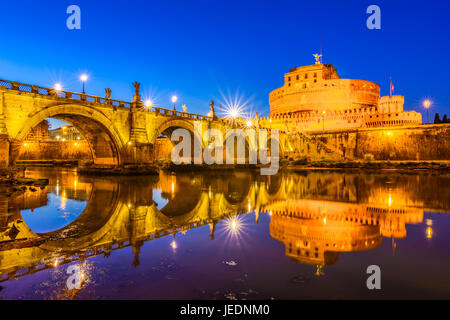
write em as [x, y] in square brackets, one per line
[228, 236]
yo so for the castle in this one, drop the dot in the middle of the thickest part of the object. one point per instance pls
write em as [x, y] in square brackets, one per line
[316, 98]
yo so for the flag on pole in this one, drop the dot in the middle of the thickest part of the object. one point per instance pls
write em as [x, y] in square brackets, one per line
[391, 87]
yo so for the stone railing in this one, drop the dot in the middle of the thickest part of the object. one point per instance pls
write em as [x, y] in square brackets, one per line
[61, 93]
[51, 92]
[175, 113]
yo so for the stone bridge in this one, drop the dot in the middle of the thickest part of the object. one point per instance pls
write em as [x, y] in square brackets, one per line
[120, 132]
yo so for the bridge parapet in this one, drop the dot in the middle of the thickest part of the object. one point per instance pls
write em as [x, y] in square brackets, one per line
[82, 97]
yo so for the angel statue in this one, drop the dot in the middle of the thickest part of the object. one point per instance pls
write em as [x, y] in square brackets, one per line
[137, 87]
[108, 93]
[317, 57]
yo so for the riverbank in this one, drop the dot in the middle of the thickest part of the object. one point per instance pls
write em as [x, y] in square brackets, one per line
[367, 165]
[284, 165]
[12, 184]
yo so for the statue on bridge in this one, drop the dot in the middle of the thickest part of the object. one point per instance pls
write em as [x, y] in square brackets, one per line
[137, 87]
[212, 113]
[108, 95]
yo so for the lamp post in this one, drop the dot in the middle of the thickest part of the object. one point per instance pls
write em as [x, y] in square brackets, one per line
[427, 104]
[174, 101]
[83, 79]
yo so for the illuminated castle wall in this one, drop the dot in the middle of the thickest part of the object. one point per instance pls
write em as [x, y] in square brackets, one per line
[315, 96]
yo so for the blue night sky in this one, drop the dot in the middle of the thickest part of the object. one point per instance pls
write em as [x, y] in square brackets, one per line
[196, 49]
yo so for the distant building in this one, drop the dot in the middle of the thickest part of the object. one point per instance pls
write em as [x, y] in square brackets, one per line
[315, 96]
[65, 133]
[40, 132]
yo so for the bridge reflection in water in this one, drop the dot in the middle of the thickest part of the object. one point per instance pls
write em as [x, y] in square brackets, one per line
[315, 216]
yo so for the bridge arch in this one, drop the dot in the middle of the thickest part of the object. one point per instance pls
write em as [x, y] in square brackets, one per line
[103, 138]
[164, 146]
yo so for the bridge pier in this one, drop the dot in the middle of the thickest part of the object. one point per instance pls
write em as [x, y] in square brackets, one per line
[4, 150]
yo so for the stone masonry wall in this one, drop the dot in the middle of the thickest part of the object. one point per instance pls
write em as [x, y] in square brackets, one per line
[430, 142]
[55, 150]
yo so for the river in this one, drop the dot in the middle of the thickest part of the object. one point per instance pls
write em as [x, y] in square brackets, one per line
[227, 235]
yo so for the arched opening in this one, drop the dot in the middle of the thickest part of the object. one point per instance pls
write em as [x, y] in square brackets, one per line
[55, 140]
[80, 137]
[239, 151]
[237, 189]
[273, 184]
[182, 193]
[164, 145]
[73, 206]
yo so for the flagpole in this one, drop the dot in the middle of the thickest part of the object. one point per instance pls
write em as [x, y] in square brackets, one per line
[390, 87]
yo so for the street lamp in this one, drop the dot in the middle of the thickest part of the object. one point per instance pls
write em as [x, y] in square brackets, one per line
[83, 78]
[427, 104]
[148, 103]
[174, 101]
[58, 87]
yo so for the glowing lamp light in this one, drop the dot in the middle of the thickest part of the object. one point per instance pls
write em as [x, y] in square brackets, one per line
[174, 99]
[429, 233]
[148, 103]
[58, 87]
[174, 245]
[25, 144]
[389, 133]
[84, 77]
[234, 113]
[427, 104]
[249, 123]
[234, 226]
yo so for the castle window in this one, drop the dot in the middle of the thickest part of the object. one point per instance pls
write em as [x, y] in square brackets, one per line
[315, 74]
[297, 77]
[306, 76]
[289, 78]
[315, 80]
[304, 86]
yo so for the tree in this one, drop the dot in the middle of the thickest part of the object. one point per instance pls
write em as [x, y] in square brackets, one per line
[436, 118]
[444, 119]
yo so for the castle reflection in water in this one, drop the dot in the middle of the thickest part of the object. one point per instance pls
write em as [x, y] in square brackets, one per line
[316, 216]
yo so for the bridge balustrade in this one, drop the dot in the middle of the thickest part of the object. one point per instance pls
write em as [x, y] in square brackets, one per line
[11, 85]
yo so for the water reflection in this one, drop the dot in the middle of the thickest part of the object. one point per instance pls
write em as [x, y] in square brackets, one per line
[315, 216]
